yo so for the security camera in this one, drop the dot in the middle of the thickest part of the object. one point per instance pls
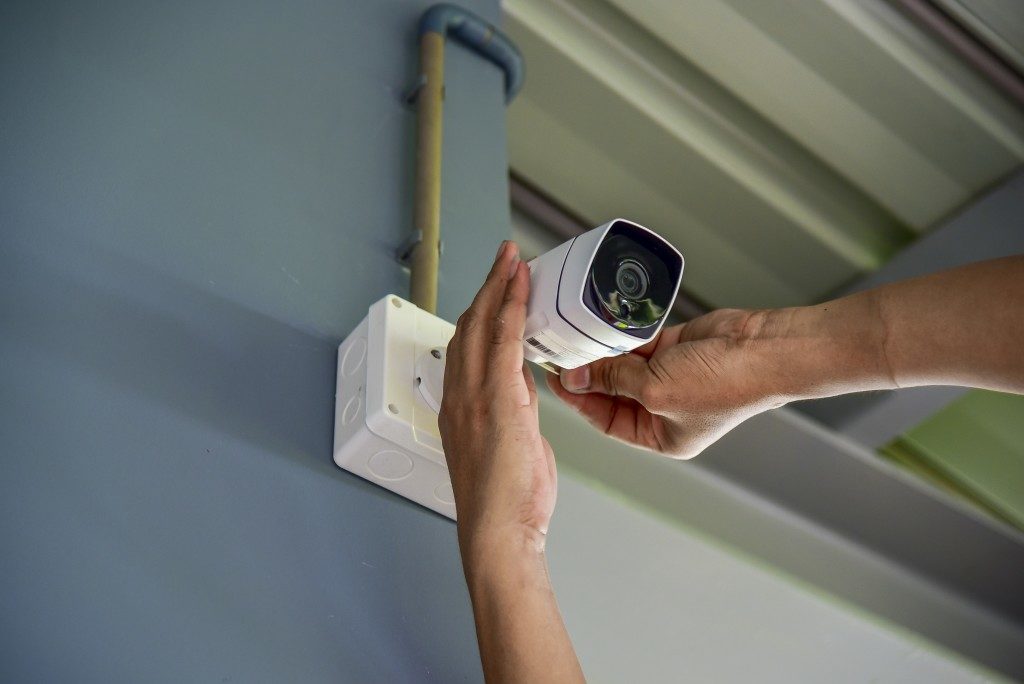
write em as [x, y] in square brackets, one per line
[601, 294]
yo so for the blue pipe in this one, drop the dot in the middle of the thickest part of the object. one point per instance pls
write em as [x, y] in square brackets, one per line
[480, 37]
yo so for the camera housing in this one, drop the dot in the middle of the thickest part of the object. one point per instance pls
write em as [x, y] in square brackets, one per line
[603, 293]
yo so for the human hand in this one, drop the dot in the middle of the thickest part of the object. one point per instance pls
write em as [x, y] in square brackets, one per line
[502, 469]
[503, 474]
[680, 392]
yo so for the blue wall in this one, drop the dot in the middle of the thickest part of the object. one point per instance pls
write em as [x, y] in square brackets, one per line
[197, 202]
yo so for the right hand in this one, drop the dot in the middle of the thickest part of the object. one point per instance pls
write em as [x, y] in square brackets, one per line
[680, 392]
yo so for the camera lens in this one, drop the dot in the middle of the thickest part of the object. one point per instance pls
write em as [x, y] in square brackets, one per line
[630, 286]
[631, 279]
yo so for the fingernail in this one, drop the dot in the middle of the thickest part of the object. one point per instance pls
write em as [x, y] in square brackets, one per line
[513, 266]
[501, 249]
[575, 380]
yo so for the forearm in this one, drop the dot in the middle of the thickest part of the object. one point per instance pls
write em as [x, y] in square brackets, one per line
[959, 327]
[519, 628]
[962, 327]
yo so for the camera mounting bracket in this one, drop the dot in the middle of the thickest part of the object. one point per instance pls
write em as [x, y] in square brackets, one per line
[390, 376]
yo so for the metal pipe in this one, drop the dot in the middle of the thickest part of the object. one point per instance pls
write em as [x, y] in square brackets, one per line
[436, 24]
[426, 256]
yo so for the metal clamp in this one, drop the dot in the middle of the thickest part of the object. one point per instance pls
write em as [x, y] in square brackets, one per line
[414, 90]
[403, 254]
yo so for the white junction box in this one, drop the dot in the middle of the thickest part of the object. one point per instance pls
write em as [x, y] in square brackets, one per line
[390, 375]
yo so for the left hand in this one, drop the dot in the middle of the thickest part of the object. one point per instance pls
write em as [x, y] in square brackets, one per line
[502, 469]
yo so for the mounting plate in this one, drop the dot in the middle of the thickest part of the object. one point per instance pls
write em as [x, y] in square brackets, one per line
[390, 371]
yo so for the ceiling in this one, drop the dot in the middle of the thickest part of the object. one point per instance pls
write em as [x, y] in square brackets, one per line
[999, 23]
[786, 148]
[791, 150]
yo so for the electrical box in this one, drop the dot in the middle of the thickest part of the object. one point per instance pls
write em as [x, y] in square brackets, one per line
[390, 377]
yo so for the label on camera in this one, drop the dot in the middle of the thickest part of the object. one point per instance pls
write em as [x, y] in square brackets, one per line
[553, 347]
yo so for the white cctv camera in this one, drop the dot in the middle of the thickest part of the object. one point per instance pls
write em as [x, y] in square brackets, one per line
[603, 293]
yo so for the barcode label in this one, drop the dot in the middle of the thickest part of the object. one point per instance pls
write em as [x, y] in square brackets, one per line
[553, 347]
[534, 342]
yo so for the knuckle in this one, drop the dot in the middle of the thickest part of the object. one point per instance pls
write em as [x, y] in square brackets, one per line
[733, 323]
[612, 373]
[615, 378]
[499, 330]
[467, 323]
[452, 350]
[651, 395]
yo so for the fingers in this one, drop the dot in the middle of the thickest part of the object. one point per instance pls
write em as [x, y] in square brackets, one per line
[628, 375]
[531, 389]
[510, 322]
[715, 324]
[647, 349]
[487, 301]
[596, 408]
[470, 356]
[487, 348]
[531, 384]
[617, 417]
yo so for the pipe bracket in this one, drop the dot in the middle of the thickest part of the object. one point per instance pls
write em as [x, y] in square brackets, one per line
[403, 254]
[413, 91]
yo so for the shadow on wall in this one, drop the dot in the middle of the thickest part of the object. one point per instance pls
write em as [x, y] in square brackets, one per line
[189, 349]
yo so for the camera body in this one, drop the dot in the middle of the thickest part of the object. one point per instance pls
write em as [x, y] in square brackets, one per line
[603, 293]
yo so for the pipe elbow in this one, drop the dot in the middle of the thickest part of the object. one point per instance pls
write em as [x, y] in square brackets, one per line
[479, 36]
[439, 17]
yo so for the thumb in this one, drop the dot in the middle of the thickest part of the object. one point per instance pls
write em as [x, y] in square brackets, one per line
[619, 376]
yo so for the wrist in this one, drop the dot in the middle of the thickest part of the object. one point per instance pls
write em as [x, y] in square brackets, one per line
[511, 557]
[823, 350]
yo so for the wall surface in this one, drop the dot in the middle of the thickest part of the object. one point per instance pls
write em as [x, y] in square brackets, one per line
[198, 201]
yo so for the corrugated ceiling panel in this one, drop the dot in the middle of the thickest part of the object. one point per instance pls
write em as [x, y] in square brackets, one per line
[801, 164]
[1000, 23]
[858, 85]
[612, 122]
